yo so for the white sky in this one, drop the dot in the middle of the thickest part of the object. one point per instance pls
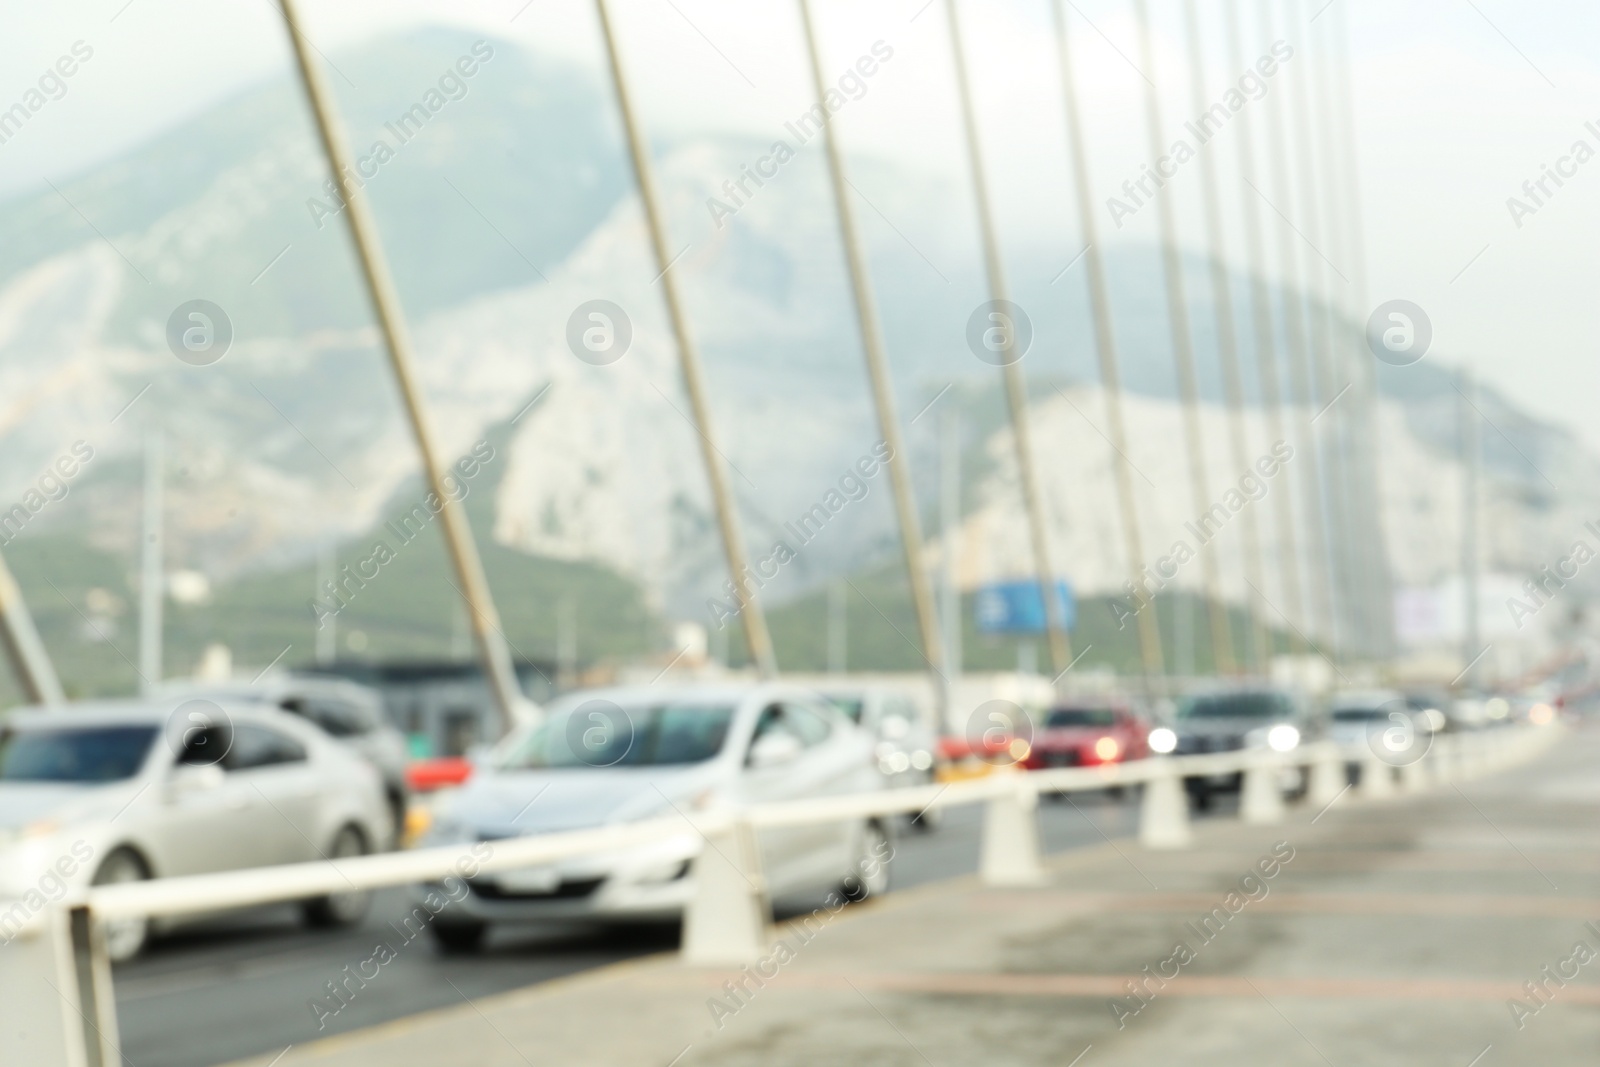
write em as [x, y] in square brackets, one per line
[1456, 103]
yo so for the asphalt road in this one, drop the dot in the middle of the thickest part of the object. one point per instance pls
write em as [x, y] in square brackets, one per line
[242, 986]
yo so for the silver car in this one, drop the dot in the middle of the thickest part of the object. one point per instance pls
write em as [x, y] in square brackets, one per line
[349, 713]
[611, 756]
[123, 791]
[905, 745]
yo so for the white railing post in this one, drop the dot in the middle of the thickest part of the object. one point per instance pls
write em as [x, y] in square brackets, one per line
[725, 924]
[1414, 776]
[1442, 756]
[1010, 855]
[1261, 797]
[1377, 779]
[1328, 777]
[1164, 809]
[56, 1006]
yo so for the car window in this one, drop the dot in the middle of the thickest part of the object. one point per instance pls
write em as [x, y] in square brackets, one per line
[852, 707]
[606, 735]
[811, 723]
[257, 746]
[338, 718]
[1060, 718]
[100, 754]
[1237, 706]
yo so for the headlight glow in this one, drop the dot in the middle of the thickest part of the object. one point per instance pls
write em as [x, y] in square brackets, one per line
[1282, 737]
[1163, 740]
[1107, 748]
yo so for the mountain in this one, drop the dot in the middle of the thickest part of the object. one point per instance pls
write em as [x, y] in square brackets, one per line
[505, 213]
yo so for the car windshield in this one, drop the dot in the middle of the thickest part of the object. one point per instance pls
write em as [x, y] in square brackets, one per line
[1064, 717]
[851, 706]
[1359, 714]
[85, 754]
[599, 733]
[1235, 706]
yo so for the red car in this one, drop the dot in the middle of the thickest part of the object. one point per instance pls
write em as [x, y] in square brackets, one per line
[1088, 734]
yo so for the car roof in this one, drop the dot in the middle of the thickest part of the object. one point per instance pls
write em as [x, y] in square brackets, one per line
[126, 713]
[732, 693]
[270, 688]
[1363, 698]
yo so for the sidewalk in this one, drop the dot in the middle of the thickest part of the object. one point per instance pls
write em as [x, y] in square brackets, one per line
[1398, 932]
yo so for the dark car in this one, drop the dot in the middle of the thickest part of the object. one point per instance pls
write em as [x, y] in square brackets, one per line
[1230, 720]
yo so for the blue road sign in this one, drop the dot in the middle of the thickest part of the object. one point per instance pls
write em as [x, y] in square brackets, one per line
[1017, 608]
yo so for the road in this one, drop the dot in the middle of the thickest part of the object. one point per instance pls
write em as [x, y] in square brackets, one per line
[242, 986]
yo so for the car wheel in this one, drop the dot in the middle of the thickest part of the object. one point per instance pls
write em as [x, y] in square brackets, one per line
[869, 873]
[455, 938]
[341, 909]
[125, 938]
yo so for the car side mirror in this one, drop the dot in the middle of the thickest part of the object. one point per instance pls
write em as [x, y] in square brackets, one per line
[771, 750]
[187, 779]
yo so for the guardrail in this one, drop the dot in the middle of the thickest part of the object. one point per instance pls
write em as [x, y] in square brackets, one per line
[57, 968]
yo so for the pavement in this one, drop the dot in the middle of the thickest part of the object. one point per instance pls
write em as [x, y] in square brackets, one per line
[1451, 926]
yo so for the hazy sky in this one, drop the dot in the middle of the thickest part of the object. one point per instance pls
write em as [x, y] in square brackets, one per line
[1457, 103]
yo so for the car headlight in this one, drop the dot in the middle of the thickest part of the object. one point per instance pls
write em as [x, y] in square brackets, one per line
[10, 835]
[1282, 737]
[1107, 748]
[1163, 740]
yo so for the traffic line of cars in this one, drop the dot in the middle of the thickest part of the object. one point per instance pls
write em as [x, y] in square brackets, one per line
[211, 778]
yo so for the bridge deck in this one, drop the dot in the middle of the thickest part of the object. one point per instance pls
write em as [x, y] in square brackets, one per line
[1397, 932]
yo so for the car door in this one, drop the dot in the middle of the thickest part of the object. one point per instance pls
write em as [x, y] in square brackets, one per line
[834, 759]
[782, 847]
[210, 819]
[277, 769]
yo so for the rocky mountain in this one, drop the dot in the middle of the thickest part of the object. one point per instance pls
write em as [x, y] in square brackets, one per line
[508, 211]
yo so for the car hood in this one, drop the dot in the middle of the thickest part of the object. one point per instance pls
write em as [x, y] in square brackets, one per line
[1226, 727]
[1076, 735]
[498, 804]
[22, 803]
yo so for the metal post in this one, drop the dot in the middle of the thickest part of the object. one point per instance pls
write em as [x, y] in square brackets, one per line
[1323, 386]
[1227, 345]
[1011, 372]
[30, 663]
[1150, 654]
[327, 638]
[1266, 344]
[152, 569]
[1310, 473]
[474, 587]
[950, 544]
[757, 637]
[1183, 356]
[1471, 460]
[872, 348]
[838, 623]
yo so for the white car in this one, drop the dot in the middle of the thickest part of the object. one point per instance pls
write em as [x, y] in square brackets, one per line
[612, 756]
[349, 713]
[906, 746]
[123, 791]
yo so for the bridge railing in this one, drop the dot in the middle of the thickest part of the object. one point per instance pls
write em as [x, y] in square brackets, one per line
[56, 967]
